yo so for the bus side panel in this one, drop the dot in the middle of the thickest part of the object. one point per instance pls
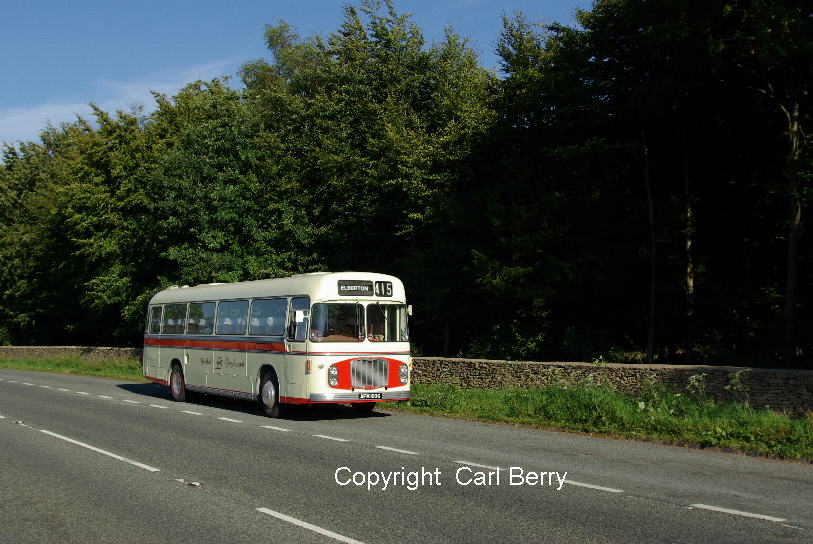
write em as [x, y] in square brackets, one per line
[255, 361]
[167, 356]
[294, 377]
[150, 359]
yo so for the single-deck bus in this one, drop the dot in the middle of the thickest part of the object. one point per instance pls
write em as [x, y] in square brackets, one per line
[310, 338]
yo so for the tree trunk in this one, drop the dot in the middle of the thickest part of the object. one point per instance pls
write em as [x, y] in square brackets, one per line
[650, 344]
[689, 226]
[794, 227]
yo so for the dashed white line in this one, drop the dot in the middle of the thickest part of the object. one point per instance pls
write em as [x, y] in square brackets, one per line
[98, 450]
[26, 383]
[229, 419]
[104, 397]
[12, 381]
[159, 406]
[275, 428]
[2, 417]
[469, 463]
[63, 389]
[331, 438]
[308, 526]
[131, 401]
[397, 450]
[736, 512]
[191, 412]
[82, 393]
[592, 486]
[46, 387]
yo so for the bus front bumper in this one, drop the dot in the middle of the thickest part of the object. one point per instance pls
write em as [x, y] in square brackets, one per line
[358, 396]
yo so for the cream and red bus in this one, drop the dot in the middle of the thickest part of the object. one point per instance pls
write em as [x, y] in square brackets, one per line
[312, 338]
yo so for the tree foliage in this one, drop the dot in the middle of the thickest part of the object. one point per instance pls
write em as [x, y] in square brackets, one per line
[638, 183]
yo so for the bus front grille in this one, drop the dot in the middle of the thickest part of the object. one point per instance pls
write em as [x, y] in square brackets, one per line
[369, 373]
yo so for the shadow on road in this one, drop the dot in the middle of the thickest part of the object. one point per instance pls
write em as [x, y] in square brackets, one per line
[315, 412]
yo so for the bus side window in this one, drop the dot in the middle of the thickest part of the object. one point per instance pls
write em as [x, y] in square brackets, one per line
[231, 317]
[298, 319]
[155, 320]
[174, 318]
[201, 318]
[268, 317]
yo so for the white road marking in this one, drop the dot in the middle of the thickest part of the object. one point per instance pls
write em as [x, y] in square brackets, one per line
[131, 401]
[397, 450]
[104, 397]
[792, 526]
[229, 419]
[46, 387]
[331, 438]
[736, 512]
[103, 452]
[82, 393]
[190, 412]
[591, 486]
[61, 389]
[12, 381]
[308, 526]
[469, 463]
[26, 383]
[275, 428]
[158, 406]
[2, 417]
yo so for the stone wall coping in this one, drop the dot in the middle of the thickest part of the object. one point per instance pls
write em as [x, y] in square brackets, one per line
[641, 366]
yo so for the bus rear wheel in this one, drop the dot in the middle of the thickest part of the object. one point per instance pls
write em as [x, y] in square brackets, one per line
[269, 395]
[363, 408]
[177, 386]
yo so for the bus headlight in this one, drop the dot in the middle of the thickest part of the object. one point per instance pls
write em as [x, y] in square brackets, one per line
[333, 376]
[403, 373]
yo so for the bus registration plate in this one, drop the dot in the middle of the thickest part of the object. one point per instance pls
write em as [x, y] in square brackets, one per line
[369, 396]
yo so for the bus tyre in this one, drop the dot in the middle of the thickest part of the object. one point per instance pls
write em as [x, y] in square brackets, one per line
[177, 386]
[269, 395]
[363, 408]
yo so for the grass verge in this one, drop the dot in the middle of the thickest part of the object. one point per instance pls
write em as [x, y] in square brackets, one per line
[656, 413]
[129, 369]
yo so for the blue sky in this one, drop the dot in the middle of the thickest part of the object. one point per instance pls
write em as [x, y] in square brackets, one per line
[59, 55]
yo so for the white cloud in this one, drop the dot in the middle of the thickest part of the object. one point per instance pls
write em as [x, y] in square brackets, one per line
[25, 123]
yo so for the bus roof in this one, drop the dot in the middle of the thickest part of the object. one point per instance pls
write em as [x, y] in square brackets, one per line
[320, 286]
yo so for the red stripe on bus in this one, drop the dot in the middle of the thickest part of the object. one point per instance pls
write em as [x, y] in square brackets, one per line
[156, 380]
[241, 345]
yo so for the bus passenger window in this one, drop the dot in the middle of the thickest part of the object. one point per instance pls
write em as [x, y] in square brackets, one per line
[231, 317]
[174, 318]
[268, 317]
[155, 320]
[201, 318]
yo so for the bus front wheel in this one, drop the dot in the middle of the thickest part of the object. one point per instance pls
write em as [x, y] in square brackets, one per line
[269, 395]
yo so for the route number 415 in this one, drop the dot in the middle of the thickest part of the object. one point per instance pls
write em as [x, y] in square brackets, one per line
[383, 288]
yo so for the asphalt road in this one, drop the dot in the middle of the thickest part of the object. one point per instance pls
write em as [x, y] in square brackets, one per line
[92, 460]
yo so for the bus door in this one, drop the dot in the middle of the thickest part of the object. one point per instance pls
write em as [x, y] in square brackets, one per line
[229, 353]
[296, 349]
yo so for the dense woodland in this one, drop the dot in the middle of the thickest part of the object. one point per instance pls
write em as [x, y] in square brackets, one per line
[634, 188]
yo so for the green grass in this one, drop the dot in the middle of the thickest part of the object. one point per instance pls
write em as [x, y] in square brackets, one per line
[129, 369]
[655, 414]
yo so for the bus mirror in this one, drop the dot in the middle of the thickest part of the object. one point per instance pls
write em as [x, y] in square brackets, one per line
[300, 316]
[409, 310]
